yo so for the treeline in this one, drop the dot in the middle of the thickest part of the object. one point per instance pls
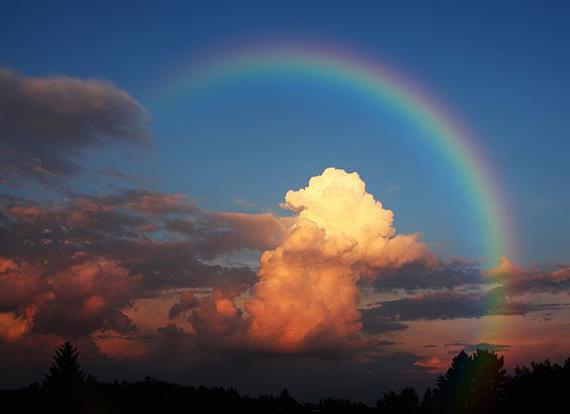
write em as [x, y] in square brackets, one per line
[474, 383]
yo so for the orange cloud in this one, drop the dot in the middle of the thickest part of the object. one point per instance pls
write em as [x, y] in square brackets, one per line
[518, 281]
[20, 282]
[504, 268]
[116, 346]
[79, 297]
[13, 326]
[433, 364]
[23, 212]
[217, 317]
[308, 288]
[254, 231]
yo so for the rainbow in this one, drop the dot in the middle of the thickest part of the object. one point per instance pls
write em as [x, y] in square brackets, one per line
[448, 134]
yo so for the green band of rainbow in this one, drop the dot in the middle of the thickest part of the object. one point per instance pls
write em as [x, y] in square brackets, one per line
[448, 135]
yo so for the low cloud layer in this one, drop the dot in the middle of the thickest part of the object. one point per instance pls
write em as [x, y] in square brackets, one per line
[518, 281]
[453, 305]
[76, 300]
[59, 258]
[98, 267]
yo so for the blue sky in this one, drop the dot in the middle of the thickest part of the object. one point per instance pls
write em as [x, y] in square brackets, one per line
[501, 67]
[148, 282]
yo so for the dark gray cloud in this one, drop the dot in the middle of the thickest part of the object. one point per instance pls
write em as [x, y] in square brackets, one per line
[73, 268]
[374, 323]
[132, 228]
[487, 346]
[46, 123]
[222, 231]
[87, 294]
[460, 274]
[453, 304]
[416, 277]
[555, 279]
[187, 301]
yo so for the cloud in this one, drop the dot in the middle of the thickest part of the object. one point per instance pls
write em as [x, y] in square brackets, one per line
[148, 244]
[377, 324]
[86, 295]
[308, 289]
[217, 318]
[487, 346]
[505, 267]
[217, 232]
[133, 227]
[251, 231]
[85, 268]
[14, 326]
[432, 364]
[119, 346]
[79, 264]
[454, 304]
[214, 317]
[46, 123]
[20, 283]
[150, 276]
[187, 301]
[458, 273]
[444, 275]
[518, 281]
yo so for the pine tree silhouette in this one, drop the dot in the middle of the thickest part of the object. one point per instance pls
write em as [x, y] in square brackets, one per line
[407, 401]
[473, 384]
[453, 387]
[65, 371]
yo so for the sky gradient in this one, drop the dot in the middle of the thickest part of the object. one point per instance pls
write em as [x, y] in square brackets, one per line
[220, 193]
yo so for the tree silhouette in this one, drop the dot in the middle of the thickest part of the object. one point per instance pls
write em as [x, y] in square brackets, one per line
[472, 384]
[65, 371]
[542, 386]
[488, 381]
[429, 402]
[407, 401]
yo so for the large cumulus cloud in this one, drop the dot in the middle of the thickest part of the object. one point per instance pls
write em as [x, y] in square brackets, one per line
[308, 289]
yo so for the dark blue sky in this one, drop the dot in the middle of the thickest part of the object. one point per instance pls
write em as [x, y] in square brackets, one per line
[503, 68]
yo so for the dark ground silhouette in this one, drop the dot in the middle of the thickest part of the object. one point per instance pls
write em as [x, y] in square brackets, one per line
[475, 383]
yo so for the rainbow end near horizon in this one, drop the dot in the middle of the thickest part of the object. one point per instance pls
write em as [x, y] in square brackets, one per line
[448, 134]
